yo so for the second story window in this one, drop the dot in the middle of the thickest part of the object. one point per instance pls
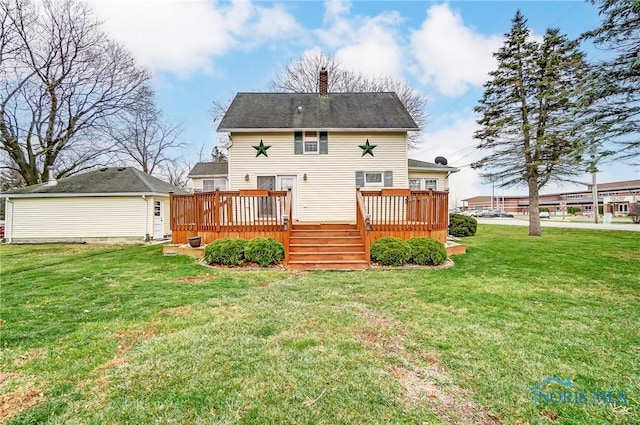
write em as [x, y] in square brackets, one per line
[310, 142]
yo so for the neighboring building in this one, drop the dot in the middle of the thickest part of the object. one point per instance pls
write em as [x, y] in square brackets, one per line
[209, 176]
[618, 195]
[109, 204]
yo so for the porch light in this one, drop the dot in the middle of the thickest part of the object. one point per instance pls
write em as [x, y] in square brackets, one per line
[304, 177]
[246, 177]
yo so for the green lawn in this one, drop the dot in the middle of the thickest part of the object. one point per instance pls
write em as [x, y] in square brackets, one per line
[123, 335]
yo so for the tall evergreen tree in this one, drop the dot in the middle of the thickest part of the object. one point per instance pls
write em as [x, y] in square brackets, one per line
[617, 78]
[527, 113]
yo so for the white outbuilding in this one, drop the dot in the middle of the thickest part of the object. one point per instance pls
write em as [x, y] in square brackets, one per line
[106, 205]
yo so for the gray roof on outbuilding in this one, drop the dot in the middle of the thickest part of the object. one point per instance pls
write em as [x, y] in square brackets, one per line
[204, 169]
[281, 111]
[103, 181]
[415, 164]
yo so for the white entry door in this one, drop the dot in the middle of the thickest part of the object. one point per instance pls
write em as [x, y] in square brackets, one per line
[158, 224]
[286, 183]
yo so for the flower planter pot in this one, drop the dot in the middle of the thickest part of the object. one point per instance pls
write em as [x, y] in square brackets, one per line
[195, 241]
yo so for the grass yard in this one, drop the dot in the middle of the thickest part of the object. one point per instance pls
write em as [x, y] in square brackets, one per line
[123, 335]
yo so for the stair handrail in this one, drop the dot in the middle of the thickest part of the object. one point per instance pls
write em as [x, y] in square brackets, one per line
[363, 221]
[286, 223]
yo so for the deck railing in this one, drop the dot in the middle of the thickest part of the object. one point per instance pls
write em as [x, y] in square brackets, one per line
[363, 222]
[404, 209]
[235, 211]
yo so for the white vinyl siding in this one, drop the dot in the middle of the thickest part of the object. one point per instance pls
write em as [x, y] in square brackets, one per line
[85, 218]
[328, 194]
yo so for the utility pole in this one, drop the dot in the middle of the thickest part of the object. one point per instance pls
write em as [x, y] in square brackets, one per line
[493, 192]
[594, 194]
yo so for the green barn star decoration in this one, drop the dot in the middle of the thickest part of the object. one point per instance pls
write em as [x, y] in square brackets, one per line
[262, 149]
[367, 148]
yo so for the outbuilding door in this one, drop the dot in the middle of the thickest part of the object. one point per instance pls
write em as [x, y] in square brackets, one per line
[158, 224]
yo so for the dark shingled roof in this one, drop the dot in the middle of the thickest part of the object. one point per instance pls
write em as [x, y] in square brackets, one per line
[334, 111]
[209, 169]
[414, 164]
[104, 180]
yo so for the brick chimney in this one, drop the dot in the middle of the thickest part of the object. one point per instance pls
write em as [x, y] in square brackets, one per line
[323, 85]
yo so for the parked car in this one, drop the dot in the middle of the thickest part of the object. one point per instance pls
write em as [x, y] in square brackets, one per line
[1, 229]
[506, 214]
[544, 214]
[491, 214]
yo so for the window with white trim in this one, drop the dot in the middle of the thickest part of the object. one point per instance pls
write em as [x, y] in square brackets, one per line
[373, 178]
[423, 184]
[310, 142]
[430, 184]
[211, 185]
[415, 184]
[623, 208]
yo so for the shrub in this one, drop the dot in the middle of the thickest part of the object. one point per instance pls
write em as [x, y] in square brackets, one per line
[462, 225]
[264, 251]
[225, 251]
[544, 209]
[427, 251]
[573, 210]
[390, 251]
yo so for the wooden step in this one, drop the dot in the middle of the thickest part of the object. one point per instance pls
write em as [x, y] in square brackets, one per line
[329, 247]
[328, 265]
[294, 240]
[326, 256]
[323, 233]
[324, 226]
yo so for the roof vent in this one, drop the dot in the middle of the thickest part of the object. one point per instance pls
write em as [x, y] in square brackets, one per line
[103, 169]
[51, 181]
[441, 160]
[299, 109]
[122, 168]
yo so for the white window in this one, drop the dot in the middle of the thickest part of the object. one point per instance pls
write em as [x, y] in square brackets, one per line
[588, 208]
[310, 142]
[430, 184]
[373, 178]
[212, 184]
[623, 208]
[423, 184]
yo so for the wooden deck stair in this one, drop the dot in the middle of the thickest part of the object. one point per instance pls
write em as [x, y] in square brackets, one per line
[327, 247]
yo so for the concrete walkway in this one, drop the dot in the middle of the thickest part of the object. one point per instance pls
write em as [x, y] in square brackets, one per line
[524, 221]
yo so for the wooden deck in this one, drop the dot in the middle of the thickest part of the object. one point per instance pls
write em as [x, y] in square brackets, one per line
[247, 214]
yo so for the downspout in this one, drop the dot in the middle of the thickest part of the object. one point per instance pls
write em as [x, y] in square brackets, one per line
[146, 219]
[8, 235]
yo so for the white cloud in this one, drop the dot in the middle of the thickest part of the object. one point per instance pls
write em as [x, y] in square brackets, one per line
[362, 43]
[455, 143]
[335, 8]
[450, 55]
[185, 36]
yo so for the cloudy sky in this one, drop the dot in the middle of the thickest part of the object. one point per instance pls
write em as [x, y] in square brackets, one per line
[205, 51]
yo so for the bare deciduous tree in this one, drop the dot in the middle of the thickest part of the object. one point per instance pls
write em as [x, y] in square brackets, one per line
[142, 135]
[301, 76]
[62, 81]
[176, 172]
